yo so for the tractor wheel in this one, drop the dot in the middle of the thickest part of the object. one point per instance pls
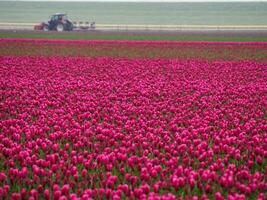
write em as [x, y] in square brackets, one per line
[45, 28]
[60, 28]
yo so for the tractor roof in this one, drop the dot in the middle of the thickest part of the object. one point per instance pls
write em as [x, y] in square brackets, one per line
[60, 14]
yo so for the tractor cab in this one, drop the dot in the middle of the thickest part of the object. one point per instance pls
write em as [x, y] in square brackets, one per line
[59, 22]
[58, 17]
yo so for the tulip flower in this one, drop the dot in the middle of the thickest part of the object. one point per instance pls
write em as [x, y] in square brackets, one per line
[114, 127]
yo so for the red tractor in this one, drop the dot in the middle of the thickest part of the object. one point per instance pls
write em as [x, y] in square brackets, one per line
[59, 22]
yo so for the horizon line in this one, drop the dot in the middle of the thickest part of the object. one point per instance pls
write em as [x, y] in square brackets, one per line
[152, 1]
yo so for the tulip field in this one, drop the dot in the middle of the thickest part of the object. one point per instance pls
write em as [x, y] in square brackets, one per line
[132, 120]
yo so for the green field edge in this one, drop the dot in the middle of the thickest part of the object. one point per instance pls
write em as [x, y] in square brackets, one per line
[132, 37]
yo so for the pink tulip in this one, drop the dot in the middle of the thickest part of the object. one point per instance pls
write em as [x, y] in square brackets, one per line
[114, 127]
[65, 190]
[57, 194]
[47, 194]
[16, 196]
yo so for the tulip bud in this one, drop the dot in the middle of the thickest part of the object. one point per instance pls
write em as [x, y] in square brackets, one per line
[259, 160]
[57, 194]
[65, 190]
[15, 196]
[63, 198]
[23, 193]
[192, 183]
[218, 196]
[47, 194]
[84, 173]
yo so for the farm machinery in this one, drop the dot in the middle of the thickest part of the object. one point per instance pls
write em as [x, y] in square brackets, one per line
[60, 22]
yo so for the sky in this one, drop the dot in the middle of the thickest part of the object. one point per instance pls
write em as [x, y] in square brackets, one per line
[151, 0]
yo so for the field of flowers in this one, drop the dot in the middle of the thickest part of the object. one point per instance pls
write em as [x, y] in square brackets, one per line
[136, 49]
[80, 123]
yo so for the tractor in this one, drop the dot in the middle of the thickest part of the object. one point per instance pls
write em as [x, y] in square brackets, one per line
[58, 22]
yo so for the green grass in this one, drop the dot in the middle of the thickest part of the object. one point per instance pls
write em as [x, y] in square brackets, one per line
[134, 36]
